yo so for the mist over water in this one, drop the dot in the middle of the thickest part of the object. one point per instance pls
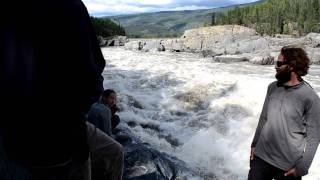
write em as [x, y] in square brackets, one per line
[203, 112]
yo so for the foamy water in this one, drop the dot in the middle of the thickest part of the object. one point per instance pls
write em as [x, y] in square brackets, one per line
[204, 113]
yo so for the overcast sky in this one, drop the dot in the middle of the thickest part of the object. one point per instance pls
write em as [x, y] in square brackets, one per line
[117, 7]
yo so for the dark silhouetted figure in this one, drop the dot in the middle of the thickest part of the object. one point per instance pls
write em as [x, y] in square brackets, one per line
[51, 67]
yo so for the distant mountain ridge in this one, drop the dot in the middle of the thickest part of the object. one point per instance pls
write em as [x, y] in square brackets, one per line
[169, 23]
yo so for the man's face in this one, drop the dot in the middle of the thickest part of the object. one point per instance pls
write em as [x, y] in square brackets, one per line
[111, 100]
[283, 74]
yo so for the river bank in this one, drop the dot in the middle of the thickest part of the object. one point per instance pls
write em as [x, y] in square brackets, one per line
[230, 43]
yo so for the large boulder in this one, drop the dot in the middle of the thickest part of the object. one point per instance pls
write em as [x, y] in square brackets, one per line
[313, 54]
[101, 41]
[247, 46]
[146, 45]
[276, 43]
[262, 60]
[217, 40]
[263, 57]
[229, 59]
[116, 41]
[172, 45]
[132, 45]
[242, 43]
[313, 40]
[142, 162]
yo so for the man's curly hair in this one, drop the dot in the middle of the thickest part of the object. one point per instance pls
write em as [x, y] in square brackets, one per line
[297, 58]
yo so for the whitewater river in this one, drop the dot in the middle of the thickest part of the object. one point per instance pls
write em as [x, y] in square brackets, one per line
[203, 112]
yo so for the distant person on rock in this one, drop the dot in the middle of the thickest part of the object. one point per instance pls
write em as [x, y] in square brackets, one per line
[48, 50]
[140, 46]
[287, 135]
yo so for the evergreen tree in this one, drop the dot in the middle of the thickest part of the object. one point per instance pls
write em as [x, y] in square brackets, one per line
[106, 28]
[213, 19]
[276, 16]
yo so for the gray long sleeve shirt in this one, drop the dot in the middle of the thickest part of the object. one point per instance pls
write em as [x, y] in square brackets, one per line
[288, 131]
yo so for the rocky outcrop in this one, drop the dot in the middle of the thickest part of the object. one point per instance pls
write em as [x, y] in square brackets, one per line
[310, 42]
[232, 43]
[229, 58]
[101, 41]
[217, 40]
[112, 41]
[143, 162]
[146, 45]
[262, 60]
[313, 40]
[210, 41]
[314, 54]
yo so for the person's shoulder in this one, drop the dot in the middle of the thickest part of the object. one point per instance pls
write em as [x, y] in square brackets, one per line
[309, 89]
[102, 107]
[97, 106]
[273, 85]
[310, 95]
[306, 87]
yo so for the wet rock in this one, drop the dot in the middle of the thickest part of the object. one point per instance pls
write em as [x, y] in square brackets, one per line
[229, 59]
[132, 102]
[233, 43]
[262, 60]
[229, 39]
[154, 127]
[101, 41]
[142, 162]
[313, 40]
[313, 54]
[146, 45]
[116, 41]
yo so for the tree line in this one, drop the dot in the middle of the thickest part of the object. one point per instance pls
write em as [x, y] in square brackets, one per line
[296, 17]
[106, 27]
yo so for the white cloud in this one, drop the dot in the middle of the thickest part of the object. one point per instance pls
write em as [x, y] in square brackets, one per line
[151, 2]
[242, 1]
[96, 7]
[190, 8]
[116, 7]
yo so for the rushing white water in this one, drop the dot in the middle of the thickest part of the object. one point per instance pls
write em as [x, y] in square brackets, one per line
[200, 111]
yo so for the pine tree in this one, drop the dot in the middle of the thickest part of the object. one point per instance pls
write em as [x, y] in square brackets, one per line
[276, 16]
[213, 19]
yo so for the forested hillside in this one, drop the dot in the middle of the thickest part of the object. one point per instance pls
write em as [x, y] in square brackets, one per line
[169, 23]
[297, 17]
[106, 27]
